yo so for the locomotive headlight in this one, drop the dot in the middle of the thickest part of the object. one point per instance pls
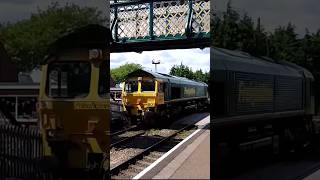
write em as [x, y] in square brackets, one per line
[95, 54]
[50, 133]
[42, 105]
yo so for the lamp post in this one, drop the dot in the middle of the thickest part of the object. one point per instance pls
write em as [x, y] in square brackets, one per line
[155, 62]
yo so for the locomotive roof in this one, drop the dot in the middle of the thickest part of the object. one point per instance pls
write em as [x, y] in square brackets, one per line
[90, 36]
[166, 77]
[224, 59]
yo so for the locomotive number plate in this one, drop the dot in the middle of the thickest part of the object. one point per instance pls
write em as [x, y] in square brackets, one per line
[90, 105]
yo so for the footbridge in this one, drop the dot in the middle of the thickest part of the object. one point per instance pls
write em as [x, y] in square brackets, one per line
[145, 25]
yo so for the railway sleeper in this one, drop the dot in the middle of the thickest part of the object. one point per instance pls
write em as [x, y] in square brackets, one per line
[168, 146]
[156, 154]
[136, 168]
[128, 173]
[164, 149]
[142, 163]
[149, 159]
[118, 177]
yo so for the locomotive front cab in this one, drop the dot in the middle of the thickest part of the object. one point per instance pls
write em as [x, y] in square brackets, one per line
[142, 95]
[74, 108]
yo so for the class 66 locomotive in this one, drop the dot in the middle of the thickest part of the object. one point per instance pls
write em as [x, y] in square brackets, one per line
[258, 97]
[74, 101]
[154, 98]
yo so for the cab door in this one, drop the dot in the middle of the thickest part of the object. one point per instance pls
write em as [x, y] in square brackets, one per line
[166, 89]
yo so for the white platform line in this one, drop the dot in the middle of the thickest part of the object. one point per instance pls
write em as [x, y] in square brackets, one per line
[142, 173]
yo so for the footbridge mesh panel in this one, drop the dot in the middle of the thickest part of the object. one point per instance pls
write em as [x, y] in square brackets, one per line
[157, 20]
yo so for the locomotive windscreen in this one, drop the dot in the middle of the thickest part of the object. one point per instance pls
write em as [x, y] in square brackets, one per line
[131, 86]
[148, 85]
[68, 79]
[103, 79]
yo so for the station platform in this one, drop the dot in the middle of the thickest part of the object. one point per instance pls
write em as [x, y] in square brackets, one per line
[190, 159]
[192, 163]
[313, 176]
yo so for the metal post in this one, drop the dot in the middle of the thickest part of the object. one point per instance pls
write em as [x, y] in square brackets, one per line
[116, 22]
[155, 62]
[16, 108]
[151, 16]
[189, 20]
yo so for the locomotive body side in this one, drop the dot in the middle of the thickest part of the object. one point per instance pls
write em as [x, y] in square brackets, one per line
[251, 91]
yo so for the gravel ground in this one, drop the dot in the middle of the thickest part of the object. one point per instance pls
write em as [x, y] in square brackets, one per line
[125, 135]
[137, 145]
[184, 134]
[117, 156]
[160, 132]
[130, 133]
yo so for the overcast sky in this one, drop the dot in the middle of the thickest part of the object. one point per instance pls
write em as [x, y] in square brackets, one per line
[15, 10]
[195, 58]
[302, 13]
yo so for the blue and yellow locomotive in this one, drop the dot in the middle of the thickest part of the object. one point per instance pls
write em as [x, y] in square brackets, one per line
[151, 96]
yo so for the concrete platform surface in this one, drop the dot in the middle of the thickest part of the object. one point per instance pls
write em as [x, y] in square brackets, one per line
[314, 176]
[192, 163]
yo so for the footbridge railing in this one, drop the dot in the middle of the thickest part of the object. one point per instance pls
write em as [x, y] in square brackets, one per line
[159, 24]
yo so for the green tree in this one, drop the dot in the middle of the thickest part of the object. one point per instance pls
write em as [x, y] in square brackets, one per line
[27, 41]
[185, 71]
[232, 31]
[182, 71]
[119, 74]
[225, 34]
[284, 43]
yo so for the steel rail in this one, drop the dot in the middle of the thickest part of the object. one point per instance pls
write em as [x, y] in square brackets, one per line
[124, 130]
[126, 139]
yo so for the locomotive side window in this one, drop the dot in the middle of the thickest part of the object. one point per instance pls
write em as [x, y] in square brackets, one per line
[166, 91]
[131, 86]
[68, 79]
[161, 87]
[103, 80]
[218, 98]
[189, 91]
[176, 92]
[148, 85]
[118, 95]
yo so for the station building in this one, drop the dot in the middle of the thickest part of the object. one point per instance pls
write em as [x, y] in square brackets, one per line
[18, 91]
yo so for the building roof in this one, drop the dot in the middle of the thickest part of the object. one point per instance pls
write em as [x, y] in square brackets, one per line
[89, 36]
[17, 85]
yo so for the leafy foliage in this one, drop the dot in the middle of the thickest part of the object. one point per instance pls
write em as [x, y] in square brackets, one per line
[119, 74]
[185, 71]
[232, 31]
[27, 41]
[182, 71]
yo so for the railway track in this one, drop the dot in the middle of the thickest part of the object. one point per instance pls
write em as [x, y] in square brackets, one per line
[125, 139]
[134, 127]
[142, 159]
